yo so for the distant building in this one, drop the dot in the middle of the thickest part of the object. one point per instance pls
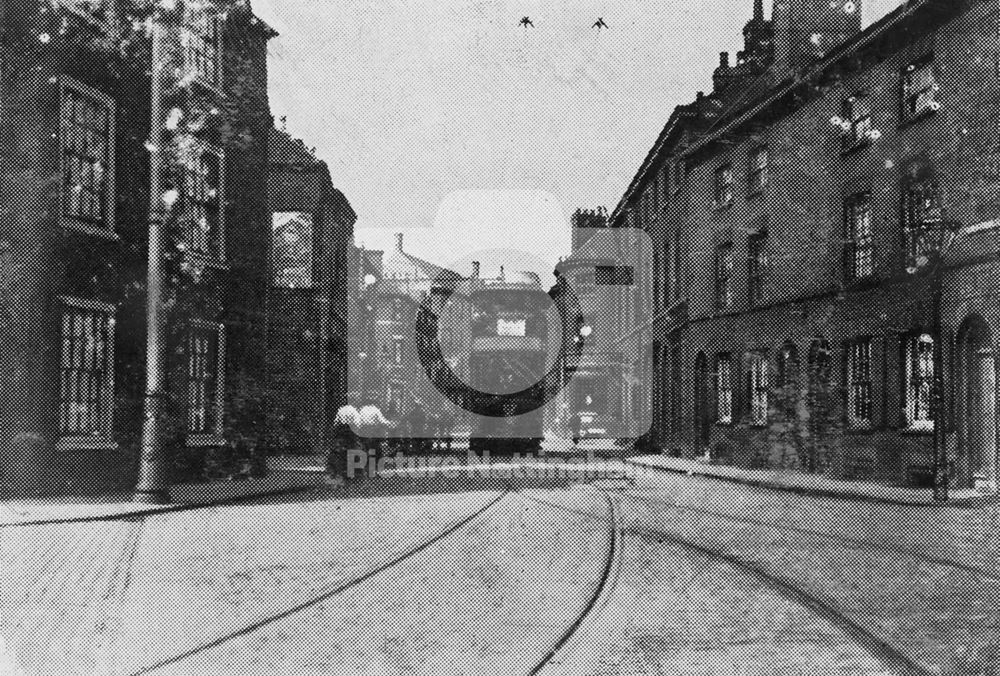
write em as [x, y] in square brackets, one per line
[392, 286]
[794, 210]
[312, 229]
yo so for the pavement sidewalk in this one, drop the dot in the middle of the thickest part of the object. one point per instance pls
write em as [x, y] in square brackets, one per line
[61, 509]
[810, 484]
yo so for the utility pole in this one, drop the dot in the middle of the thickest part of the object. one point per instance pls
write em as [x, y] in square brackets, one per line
[153, 486]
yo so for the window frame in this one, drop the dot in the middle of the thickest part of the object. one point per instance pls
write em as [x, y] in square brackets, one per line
[724, 389]
[106, 227]
[852, 210]
[910, 93]
[724, 262]
[311, 283]
[860, 410]
[915, 220]
[190, 36]
[102, 437]
[758, 174]
[857, 113]
[213, 435]
[186, 202]
[723, 186]
[914, 359]
[756, 268]
[679, 174]
[758, 389]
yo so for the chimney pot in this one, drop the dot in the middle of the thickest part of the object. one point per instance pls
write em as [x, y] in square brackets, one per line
[724, 59]
[475, 269]
[399, 241]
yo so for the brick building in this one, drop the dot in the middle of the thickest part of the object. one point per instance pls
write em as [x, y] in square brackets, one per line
[792, 211]
[312, 231]
[74, 197]
[392, 286]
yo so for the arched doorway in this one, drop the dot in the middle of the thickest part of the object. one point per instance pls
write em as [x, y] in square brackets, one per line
[701, 414]
[821, 409]
[977, 402]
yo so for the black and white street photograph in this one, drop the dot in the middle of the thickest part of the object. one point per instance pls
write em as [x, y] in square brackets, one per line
[499, 337]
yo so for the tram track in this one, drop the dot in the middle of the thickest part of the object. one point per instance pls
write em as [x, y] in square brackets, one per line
[607, 583]
[854, 542]
[331, 590]
[577, 630]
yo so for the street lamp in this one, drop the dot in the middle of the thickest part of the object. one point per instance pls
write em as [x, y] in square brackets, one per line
[153, 485]
[930, 244]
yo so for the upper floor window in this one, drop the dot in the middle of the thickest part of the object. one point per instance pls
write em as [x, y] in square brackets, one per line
[201, 192]
[861, 254]
[859, 384]
[202, 44]
[292, 249]
[757, 265]
[758, 386]
[87, 128]
[86, 369]
[205, 374]
[920, 382]
[724, 277]
[677, 182]
[759, 169]
[920, 89]
[857, 122]
[922, 211]
[723, 187]
[724, 389]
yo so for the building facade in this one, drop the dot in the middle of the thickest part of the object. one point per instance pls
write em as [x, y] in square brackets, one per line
[75, 102]
[795, 212]
[312, 235]
[392, 287]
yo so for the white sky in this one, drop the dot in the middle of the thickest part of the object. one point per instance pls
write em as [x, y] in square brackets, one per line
[419, 106]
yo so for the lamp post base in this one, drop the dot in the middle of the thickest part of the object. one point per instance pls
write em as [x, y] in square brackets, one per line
[154, 497]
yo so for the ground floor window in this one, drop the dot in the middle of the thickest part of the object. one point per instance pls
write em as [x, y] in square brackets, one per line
[920, 382]
[206, 368]
[724, 389]
[758, 389]
[86, 373]
[859, 384]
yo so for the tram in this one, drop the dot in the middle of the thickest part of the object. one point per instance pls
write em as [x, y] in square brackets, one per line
[508, 358]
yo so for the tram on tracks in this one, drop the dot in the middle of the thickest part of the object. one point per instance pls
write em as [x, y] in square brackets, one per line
[508, 357]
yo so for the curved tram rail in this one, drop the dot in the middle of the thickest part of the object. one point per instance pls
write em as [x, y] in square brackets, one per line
[587, 620]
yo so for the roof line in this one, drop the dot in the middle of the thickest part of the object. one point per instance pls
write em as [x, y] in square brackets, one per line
[862, 39]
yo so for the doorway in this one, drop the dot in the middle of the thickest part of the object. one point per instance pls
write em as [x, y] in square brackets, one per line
[978, 401]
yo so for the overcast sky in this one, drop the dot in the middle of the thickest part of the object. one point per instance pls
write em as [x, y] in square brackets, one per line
[447, 121]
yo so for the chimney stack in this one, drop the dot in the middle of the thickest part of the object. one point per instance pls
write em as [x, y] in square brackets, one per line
[475, 269]
[723, 59]
[399, 241]
[807, 30]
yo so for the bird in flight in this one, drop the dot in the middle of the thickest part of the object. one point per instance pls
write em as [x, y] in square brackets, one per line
[599, 24]
[526, 21]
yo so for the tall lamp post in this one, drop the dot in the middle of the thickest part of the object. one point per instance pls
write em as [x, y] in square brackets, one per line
[153, 485]
[931, 244]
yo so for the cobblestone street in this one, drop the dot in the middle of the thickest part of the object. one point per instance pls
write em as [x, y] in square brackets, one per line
[443, 576]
